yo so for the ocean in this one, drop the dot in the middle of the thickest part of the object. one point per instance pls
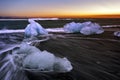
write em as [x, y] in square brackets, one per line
[93, 57]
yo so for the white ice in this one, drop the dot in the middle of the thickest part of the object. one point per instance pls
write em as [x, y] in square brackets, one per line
[85, 28]
[72, 27]
[34, 29]
[117, 33]
[42, 60]
[92, 28]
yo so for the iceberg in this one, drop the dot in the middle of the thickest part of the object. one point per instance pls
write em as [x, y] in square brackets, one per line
[30, 57]
[117, 33]
[34, 29]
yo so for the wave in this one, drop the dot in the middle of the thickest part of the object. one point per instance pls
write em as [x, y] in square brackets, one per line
[27, 19]
[8, 70]
[9, 48]
[11, 31]
[22, 30]
[56, 30]
[45, 18]
[28, 41]
[110, 26]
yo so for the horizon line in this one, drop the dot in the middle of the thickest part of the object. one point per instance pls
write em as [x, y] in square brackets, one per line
[67, 16]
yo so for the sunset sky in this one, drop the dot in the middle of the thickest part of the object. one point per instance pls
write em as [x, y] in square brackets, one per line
[60, 8]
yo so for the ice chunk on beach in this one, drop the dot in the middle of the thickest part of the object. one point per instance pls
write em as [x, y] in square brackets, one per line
[117, 33]
[72, 27]
[62, 65]
[86, 28]
[26, 49]
[92, 28]
[46, 61]
[34, 29]
[41, 60]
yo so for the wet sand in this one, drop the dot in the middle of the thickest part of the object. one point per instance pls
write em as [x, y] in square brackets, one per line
[95, 57]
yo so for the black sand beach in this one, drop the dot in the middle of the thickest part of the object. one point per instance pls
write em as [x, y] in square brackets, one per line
[94, 57]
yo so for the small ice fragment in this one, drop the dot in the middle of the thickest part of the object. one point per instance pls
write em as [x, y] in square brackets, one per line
[117, 33]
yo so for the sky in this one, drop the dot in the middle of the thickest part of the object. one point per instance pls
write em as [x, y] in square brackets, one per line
[59, 8]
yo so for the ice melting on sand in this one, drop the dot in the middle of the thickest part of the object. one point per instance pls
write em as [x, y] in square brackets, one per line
[86, 28]
[117, 33]
[34, 29]
[41, 60]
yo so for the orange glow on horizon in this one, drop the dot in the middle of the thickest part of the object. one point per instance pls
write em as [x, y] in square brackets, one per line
[68, 16]
[61, 15]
